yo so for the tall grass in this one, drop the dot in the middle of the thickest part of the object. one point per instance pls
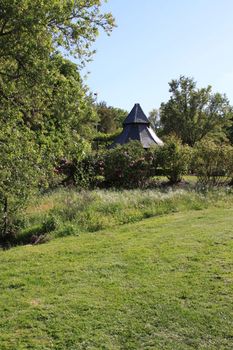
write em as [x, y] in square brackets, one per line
[69, 212]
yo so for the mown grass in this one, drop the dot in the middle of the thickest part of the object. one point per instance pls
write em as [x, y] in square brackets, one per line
[69, 212]
[163, 283]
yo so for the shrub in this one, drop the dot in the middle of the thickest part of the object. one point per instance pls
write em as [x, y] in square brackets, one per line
[127, 166]
[213, 163]
[89, 172]
[84, 173]
[174, 159]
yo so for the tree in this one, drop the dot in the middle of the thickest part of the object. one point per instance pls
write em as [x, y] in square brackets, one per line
[31, 35]
[229, 132]
[35, 80]
[40, 27]
[154, 119]
[46, 111]
[193, 113]
[110, 118]
[69, 115]
[44, 89]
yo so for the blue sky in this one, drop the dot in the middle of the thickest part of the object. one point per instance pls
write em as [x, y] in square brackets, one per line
[159, 40]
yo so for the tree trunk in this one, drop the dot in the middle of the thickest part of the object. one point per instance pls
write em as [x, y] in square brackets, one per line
[5, 217]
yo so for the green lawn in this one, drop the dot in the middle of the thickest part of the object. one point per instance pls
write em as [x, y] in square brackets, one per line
[161, 283]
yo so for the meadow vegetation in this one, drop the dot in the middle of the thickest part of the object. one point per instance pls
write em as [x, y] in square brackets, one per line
[71, 212]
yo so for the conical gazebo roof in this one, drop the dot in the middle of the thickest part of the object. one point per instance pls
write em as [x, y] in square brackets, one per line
[136, 126]
[136, 116]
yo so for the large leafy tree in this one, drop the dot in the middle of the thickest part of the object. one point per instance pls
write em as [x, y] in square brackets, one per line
[193, 113]
[69, 115]
[31, 35]
[45, 109]
[110, 118]
[32, 29]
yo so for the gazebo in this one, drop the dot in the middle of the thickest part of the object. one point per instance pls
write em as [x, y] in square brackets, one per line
[136, 126]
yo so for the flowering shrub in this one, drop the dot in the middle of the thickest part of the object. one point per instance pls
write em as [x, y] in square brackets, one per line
[89, 172]
[86, 173]
[127, 166]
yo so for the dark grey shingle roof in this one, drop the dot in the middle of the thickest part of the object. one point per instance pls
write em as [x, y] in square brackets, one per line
[137, 127]
[136, 116]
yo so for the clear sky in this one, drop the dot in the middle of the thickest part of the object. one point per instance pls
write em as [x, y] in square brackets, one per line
[159, 40]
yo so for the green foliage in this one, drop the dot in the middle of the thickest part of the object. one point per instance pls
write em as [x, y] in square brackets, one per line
[50, 223]
[88, 171]
[193, 113]
[46, 112]
[154, 118]
[46, 26]
[102, 141]
[213, 163]
[83, 172]
[35, 80]
[110, 118]
[127, 166]
[230, 132]
[174, 158]
[20, 172]
[69, 114]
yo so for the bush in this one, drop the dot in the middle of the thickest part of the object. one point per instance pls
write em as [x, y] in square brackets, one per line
[174, 158]
[85, 173]
[89, 172]
[127, 166]
[213, 163]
